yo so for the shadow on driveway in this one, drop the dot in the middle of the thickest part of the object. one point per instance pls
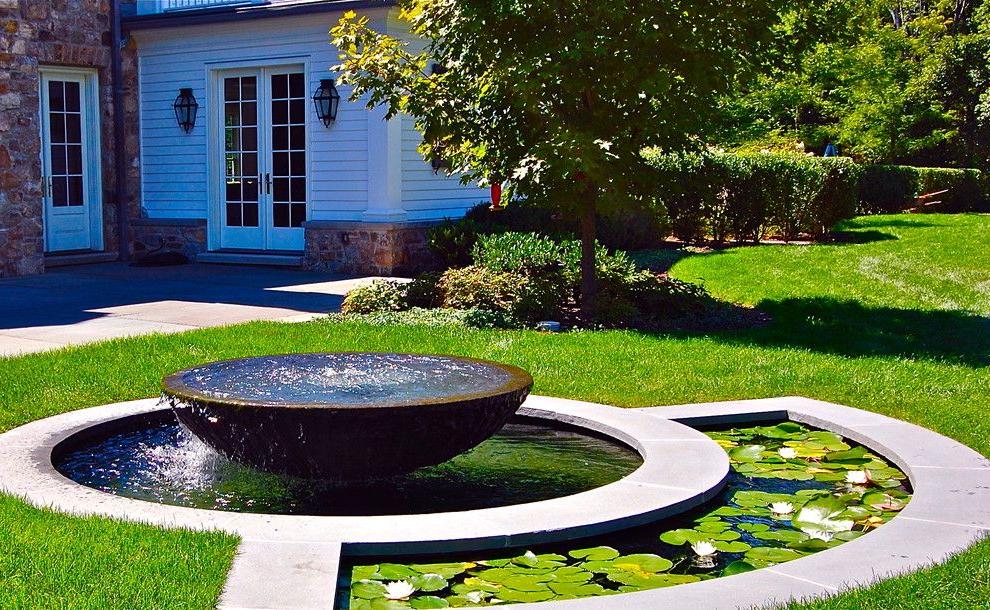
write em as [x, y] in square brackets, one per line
[87, 303]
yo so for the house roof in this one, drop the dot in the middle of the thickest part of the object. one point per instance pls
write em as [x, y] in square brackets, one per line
[233, 12]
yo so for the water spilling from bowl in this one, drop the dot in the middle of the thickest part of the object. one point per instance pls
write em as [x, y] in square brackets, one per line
[155, 459]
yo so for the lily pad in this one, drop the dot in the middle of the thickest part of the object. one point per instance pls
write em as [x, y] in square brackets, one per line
[428, 582]
[512, 595]
[572, 589]
[447, 570]
[746, 453]
[855, 454]
[527, 582]
[367, 589]
[644, 562]
[650, 581]
[575, 574]
[428, 602]
[597, 553]
[731, 547]
[772, 554]
[363, 572]
[823, 514]
[396, 571]
[737, 567]
[781, 535]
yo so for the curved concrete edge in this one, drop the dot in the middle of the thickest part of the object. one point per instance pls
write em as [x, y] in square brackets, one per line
[950, 511]
[681, 468]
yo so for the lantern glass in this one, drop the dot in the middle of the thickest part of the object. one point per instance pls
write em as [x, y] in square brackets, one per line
[185, 109]
[327, 101]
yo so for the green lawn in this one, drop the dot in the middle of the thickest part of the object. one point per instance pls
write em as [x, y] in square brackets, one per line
[890, 321]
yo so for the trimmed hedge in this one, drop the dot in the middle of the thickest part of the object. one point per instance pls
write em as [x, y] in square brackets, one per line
[748, 197]
[744, 197]
[893, 188]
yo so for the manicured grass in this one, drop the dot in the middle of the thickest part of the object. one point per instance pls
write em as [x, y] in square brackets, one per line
[50, 561]
[893, 324]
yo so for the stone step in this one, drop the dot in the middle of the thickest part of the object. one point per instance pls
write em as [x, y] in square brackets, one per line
[242, 258]
[78, 258]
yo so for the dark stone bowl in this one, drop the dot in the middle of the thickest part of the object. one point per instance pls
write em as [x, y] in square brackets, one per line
[284, 414]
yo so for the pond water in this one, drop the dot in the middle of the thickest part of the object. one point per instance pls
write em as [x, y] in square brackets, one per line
[159, 461]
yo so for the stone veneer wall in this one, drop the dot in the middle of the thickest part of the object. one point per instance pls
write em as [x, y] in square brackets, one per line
[367, 248]
[36, 33]
[184, 235]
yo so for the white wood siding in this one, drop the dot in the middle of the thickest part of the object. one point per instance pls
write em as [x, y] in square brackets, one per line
[175, 165]
[426, 194]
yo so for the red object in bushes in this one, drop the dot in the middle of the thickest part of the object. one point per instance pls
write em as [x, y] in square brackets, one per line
[496, 191]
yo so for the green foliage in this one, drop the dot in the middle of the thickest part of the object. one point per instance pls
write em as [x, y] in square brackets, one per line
[558, 99]
[440, 317]
[967, 188]
[424, 291]
[452, 241]
[888, 83]
[379, 295]
[478, 287]
[750, 196]
[551, 269]
[893, 188]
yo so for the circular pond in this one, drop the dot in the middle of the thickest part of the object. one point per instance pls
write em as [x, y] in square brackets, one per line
[155, 459]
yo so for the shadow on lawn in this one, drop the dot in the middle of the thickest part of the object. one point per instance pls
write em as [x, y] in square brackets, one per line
[861, 236]
[849, 328]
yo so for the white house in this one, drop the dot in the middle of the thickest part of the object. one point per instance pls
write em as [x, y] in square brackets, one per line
[257, 177]
[259, 167]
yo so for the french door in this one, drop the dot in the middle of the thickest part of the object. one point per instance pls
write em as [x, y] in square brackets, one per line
[264, 195]
[70, 160]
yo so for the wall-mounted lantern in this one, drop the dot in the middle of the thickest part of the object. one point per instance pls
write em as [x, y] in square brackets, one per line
[327, 100]
[185, 109]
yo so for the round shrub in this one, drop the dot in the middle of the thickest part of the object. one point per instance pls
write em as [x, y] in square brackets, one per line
[478, 287]
[424, 291]
[379, 295]
[658, 296]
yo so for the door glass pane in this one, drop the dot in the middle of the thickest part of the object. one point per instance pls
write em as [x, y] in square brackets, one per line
[60, 191]
[65, 146]
[240, 151]
[288, 131]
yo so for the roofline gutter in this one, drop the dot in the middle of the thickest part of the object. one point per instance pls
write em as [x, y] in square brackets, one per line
[236, 13]
[119, 152]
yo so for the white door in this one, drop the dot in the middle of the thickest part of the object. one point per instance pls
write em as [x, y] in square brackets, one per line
[264, 195]
[70, 161]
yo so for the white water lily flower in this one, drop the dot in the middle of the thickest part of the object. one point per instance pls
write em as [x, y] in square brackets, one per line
[703, 548]
[782, 508]
[399, 590]
[818, 534]
[857, 477]
[788, 453]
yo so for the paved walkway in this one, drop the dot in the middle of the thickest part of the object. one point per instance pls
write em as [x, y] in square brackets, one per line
[73, 305]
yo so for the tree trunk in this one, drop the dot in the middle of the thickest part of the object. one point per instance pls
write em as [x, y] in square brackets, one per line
[589, 281]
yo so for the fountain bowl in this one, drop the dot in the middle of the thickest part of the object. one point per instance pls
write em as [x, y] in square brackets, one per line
[345, 416]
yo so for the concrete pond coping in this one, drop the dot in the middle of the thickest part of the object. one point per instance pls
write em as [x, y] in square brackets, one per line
[297, 558]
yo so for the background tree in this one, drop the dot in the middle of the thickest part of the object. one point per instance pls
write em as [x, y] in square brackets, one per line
[558, 98]
[890, 81]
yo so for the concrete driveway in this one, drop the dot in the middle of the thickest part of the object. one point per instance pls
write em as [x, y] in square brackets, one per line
[73, 305]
